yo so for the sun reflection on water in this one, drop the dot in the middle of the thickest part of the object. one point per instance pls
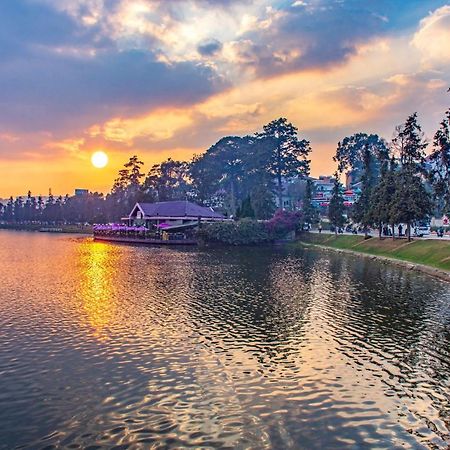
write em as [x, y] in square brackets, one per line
[98, 275]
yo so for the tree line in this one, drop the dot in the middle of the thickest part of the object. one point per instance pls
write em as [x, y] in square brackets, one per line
[245, 177]
[238, 175]
[399, 183]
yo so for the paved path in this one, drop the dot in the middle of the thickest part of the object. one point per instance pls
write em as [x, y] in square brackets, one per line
[375, 234]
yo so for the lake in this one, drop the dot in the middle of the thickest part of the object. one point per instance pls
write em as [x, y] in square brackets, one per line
[116, 346]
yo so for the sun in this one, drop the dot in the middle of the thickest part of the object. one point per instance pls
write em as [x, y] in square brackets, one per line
[99, 159]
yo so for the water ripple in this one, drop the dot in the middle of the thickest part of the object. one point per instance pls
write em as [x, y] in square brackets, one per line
[107, 346]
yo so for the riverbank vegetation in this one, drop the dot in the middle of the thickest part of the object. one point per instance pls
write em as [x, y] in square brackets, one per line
[428, 252]
[397, 181]
[239, 176]
[249, 231]
[247, 177]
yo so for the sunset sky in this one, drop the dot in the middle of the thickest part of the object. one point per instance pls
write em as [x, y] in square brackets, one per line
[169, 78]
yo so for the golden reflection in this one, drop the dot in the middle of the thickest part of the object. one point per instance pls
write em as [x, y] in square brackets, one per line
[96, 287]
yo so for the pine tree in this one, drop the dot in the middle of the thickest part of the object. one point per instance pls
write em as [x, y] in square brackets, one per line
[381, 198]
[362, 208]
[288, 153]
[262, 201]
[440, 164]
[336, 206]
[246, 209]
[410, 201]
[309, 212]
[413, 145]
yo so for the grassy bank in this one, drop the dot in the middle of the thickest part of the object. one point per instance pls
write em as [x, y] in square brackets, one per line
[433, 253]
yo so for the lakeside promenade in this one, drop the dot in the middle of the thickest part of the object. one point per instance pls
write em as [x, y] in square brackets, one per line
[374, 234]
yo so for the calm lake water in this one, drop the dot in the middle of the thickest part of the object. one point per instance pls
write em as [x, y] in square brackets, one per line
[109, 346]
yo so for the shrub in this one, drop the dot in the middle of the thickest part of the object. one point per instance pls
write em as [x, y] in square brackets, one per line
[243, 232]
[283, 222]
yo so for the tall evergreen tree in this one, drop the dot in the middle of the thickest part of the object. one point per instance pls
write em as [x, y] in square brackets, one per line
[362, 208]
[382, 196]
[288, 153]
[361, 156]
[412, 147]
[262, 201]
[9, 210]
[18, 209]
[309, 212]
[440, 164]
[411, 201]
[336, 207]
[126, 190]
[246, 209]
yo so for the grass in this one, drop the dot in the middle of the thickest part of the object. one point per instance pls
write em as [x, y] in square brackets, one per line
[433, 253]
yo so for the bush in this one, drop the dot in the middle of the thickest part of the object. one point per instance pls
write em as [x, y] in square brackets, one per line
[283, 222]
[244, 232]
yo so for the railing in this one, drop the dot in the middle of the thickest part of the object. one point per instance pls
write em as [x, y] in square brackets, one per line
[143, 235]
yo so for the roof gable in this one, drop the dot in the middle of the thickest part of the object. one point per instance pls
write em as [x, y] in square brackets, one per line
[180, 208]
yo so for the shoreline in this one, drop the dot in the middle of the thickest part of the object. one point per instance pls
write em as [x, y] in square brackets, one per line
[441, 274]
[63, 229]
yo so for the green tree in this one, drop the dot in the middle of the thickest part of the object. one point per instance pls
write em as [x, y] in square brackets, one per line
[410, 144]
[410, 201]
[356, 152]
[361, 157]
[222, 166]
[362, 208]
[336, 206]
[246, 209]
[310, 213]
[262, 201]
[168, 180]
[288, 153]
[381, 198]
[440, 164]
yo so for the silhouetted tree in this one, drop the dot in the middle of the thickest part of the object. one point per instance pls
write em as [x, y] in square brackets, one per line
[168, 181]
[411, 145]
[288, 153]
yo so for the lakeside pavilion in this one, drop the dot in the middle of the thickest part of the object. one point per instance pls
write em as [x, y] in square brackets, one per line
[171, 216]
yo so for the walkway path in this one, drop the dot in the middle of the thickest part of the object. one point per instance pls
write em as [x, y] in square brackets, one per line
[375, 234]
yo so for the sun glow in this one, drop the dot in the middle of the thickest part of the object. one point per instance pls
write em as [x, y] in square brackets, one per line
[99, 159]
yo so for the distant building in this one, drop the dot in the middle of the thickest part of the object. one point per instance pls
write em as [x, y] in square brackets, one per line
[81, 192]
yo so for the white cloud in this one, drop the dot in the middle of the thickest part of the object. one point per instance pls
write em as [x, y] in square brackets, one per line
[433, 37]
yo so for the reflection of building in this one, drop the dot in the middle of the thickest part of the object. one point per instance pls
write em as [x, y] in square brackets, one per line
[170, 215]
